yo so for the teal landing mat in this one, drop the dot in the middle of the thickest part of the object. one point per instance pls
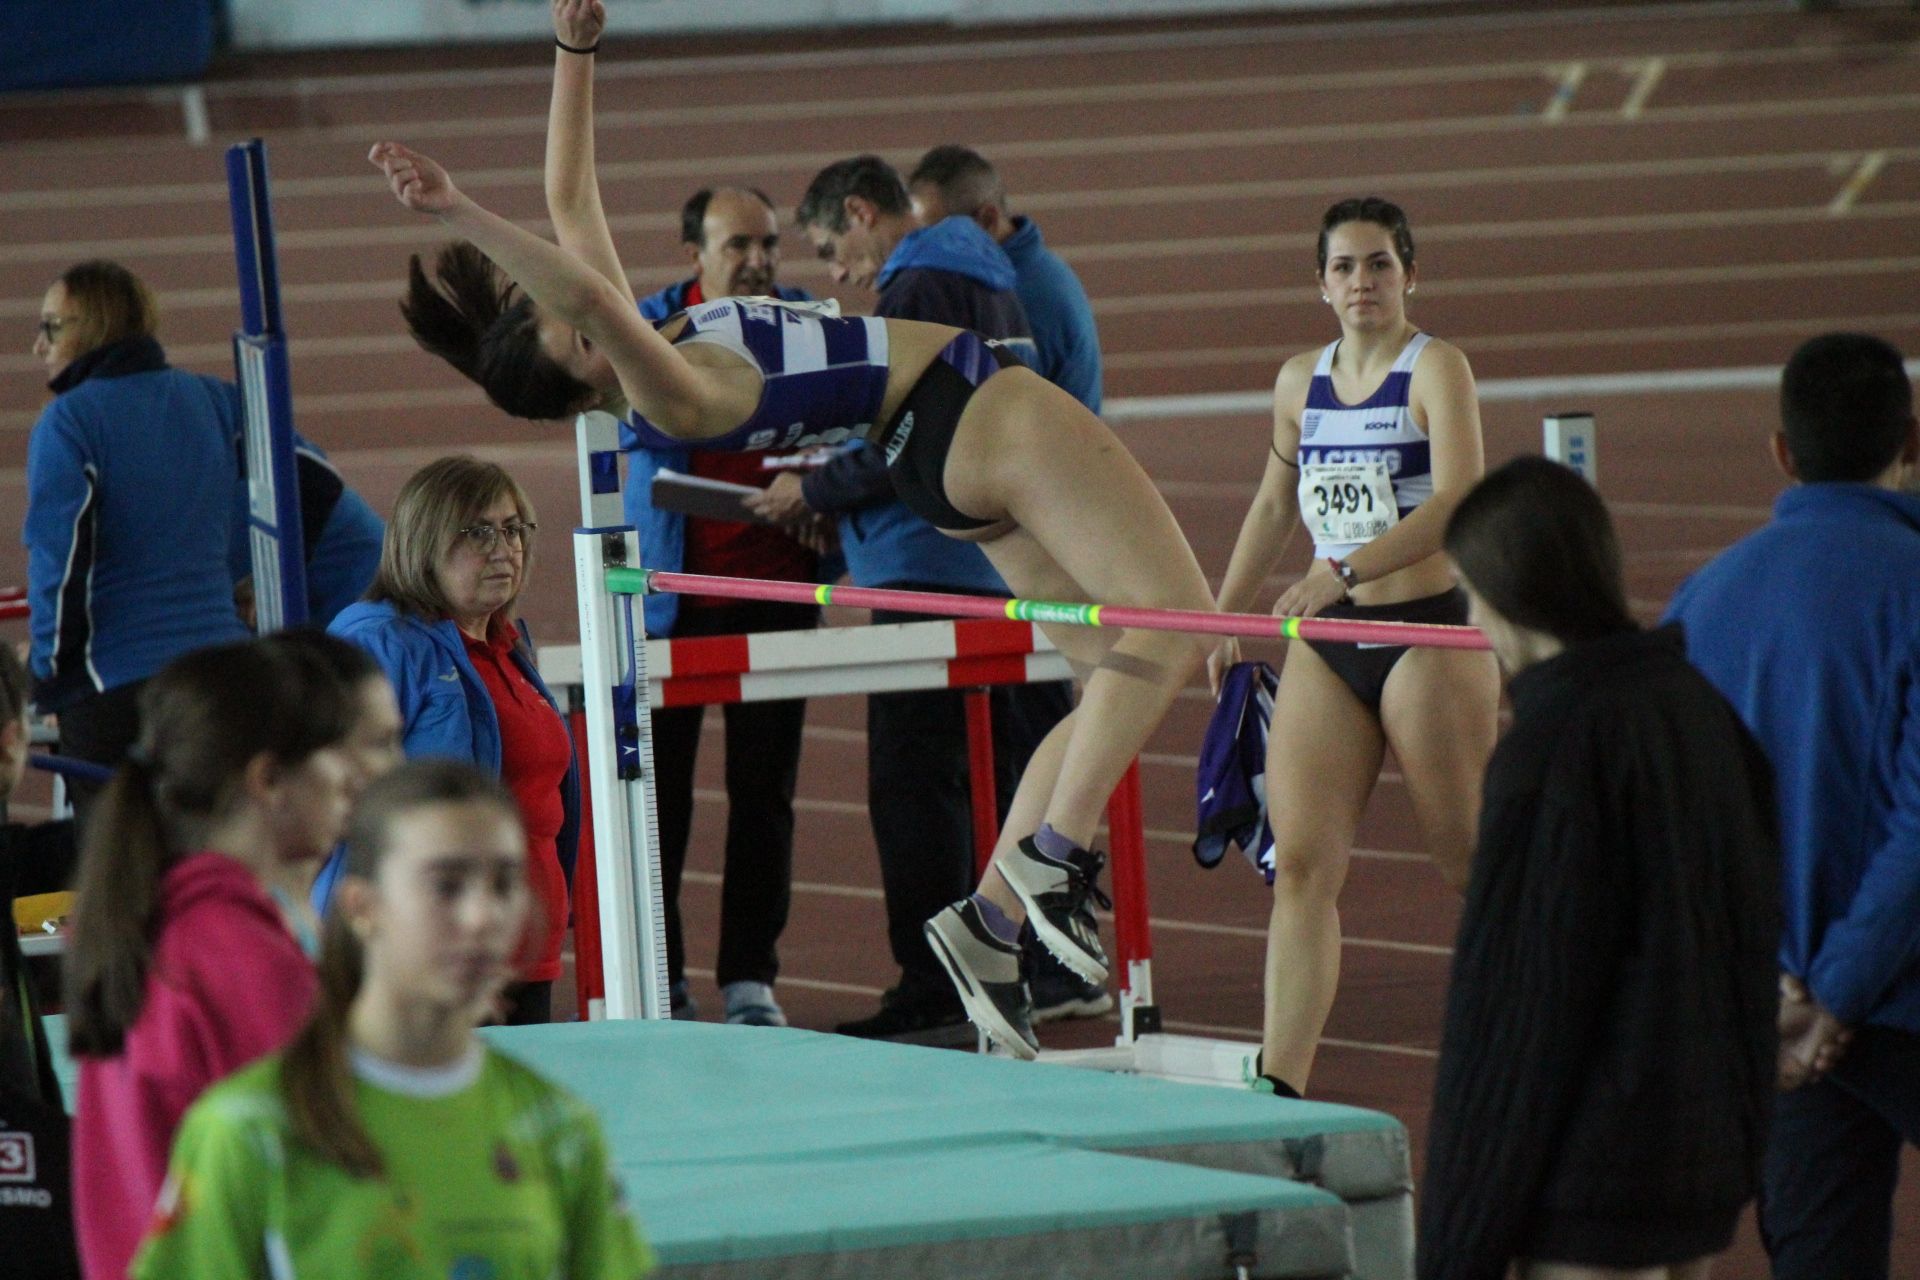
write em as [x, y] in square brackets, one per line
[763, 1151]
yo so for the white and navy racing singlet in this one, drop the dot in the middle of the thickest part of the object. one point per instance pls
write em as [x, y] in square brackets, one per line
[826, 375]
[1363, 467]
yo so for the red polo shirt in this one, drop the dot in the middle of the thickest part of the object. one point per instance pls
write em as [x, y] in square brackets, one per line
[534, 755]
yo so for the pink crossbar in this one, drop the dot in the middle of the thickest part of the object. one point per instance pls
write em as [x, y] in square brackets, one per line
[1422, 635]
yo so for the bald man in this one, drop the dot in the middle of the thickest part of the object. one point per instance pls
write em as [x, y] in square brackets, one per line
[732, 236]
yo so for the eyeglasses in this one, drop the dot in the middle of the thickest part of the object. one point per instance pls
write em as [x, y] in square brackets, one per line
[52, 327]
[484, 537]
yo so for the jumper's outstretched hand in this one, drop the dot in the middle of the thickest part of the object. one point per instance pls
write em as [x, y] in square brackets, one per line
[579, 22]
[417, 180]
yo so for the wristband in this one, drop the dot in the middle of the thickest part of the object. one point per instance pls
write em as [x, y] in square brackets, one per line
[1344, 571]
[558, 43]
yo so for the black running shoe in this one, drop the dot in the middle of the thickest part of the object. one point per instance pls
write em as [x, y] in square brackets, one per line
[1056, 894]
[986, 973]
[1060, 993]
[905, 1019]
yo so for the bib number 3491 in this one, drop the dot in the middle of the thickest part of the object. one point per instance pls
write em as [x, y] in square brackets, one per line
[1347, 502]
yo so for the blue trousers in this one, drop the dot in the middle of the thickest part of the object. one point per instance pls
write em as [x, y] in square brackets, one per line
[1833, 1161]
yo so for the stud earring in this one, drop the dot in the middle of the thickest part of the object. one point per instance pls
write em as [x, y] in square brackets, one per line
[1325, 298]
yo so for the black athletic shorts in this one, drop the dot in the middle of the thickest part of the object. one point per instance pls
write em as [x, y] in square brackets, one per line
[916, 441]
[1365, 667]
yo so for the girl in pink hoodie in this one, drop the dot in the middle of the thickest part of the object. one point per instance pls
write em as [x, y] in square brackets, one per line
[183, 964]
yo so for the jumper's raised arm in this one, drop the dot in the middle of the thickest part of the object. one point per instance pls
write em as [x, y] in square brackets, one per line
[573, 323]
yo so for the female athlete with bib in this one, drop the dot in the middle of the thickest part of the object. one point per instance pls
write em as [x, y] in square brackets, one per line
[1376, 437]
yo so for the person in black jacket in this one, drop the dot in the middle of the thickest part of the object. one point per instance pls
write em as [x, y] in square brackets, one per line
[36, 1213]
[1607, 1066]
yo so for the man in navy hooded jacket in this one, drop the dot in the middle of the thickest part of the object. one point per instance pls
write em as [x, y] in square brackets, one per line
[956, 181]
[860, 220]
[1811, 628]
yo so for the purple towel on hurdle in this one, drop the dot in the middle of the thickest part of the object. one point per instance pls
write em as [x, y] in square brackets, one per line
[1231, 785]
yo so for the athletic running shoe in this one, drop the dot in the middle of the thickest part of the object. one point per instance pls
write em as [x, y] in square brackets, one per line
[1056, 895]
[908, 1019]
[751, 1004]
[986, 973]
[680, 1001]
[1060, 993]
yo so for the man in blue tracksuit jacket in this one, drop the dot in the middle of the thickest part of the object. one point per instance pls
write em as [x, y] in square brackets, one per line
[957, 181]
[1811, 627]
[858, 215]
[732, 235]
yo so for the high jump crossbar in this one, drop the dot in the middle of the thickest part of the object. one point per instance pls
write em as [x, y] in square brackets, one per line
[626, 581]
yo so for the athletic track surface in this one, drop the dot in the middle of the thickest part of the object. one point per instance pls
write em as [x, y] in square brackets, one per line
[1628, 190]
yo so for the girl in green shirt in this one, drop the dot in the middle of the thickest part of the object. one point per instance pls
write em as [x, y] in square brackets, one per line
[387, 1141]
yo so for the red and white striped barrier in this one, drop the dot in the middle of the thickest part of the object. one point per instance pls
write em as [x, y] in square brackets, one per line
[713, 670]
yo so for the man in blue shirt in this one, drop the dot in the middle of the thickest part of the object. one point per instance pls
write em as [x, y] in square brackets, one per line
[731, 235]
[954, 181]
[1811, 627]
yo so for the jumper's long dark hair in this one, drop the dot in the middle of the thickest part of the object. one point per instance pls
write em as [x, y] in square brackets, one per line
[315, 1078]
[473, 317]
[203, 720]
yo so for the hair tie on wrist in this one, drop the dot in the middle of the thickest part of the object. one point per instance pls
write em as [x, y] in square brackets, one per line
[562, 44]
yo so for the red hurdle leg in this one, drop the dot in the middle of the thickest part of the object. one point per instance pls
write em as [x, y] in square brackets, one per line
[1126, 833]
[986, 803]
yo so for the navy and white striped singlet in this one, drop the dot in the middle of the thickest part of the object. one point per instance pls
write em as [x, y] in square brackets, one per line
[1363, 467]
[826, 375]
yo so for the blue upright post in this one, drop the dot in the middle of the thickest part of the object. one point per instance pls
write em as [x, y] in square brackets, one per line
[260, 361]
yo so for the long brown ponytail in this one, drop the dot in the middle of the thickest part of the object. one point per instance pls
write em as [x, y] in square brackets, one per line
[316, 1082]
[203, 719]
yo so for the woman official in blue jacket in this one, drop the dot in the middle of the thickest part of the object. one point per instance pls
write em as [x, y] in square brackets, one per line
[439, 621]
[130, 490]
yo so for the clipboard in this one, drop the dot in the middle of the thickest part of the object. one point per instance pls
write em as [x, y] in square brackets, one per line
[699, 496]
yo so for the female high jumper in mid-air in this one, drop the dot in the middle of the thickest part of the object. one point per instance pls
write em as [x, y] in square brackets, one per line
[979, 445]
